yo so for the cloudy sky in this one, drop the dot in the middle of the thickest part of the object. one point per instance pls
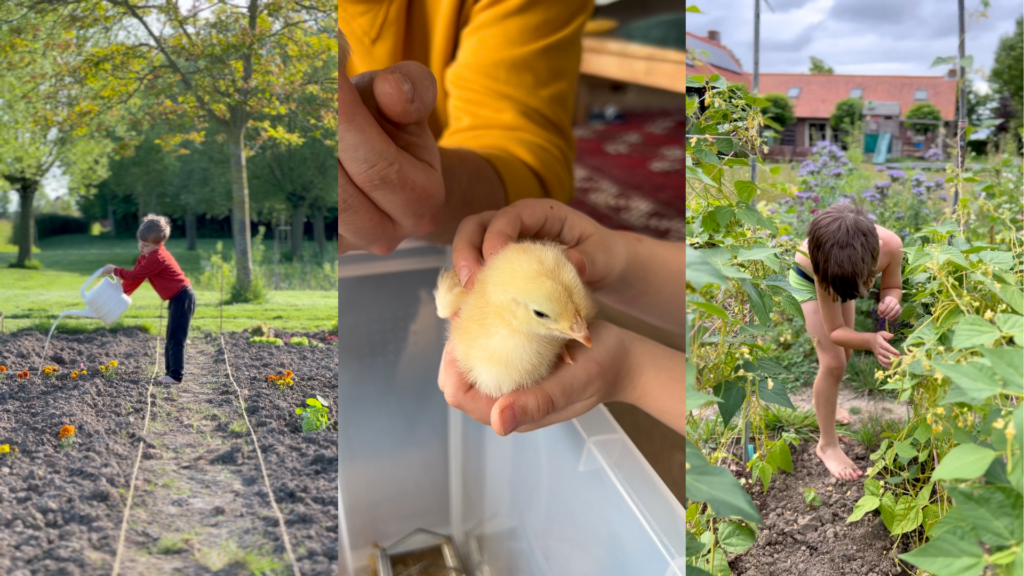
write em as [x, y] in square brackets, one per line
[900, 37]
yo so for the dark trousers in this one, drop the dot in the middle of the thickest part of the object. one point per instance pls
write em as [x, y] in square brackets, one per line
[179, 315]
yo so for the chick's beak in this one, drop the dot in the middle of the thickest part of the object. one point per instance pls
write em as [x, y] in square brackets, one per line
[578, 331]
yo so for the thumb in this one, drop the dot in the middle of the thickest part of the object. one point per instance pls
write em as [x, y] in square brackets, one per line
[405, 93]
[519, 408]
[886, 335]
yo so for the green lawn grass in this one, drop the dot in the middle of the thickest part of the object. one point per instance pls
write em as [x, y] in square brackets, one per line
[34, 298]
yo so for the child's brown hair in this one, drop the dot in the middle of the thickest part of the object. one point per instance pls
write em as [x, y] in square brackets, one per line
[154, 229]
[843, 245]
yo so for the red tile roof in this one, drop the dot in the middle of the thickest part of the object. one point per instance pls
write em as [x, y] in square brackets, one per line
[699, 67]
[819, 93]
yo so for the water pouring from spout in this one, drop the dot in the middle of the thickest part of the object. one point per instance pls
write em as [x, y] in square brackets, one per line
[106, 302]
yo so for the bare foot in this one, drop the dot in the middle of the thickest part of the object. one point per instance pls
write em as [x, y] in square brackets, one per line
[838, 464]
[165, 379]
[842, 416]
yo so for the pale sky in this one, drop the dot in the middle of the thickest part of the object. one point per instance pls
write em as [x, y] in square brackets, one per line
[892, 37]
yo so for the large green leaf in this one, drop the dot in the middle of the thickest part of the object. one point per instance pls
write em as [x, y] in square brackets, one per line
[974, 331]
[999, 259]
[711, 309]
[735, 537]
[906, 516]
[780, 456]
[694, 547]
[761, 254]
[863, 506]
[973, 383]
[1013, 297]
[948, 556]
[996, 512]
[731, 394]
[700, 271]
[964, 462]
[760, 302]
[717, 487]
[745, 190]
[1012, 324]
[776, 394]
[886, 507]
[1008, 364]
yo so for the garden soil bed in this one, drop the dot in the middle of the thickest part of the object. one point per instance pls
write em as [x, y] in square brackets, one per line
[200, 505]
[800, 541]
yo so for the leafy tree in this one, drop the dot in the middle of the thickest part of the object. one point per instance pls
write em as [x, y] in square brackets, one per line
[979, 105]
[51, 116]
[234, 69]
[847, 115]
[1007, 77]
[818, 66]
[923, 111]
[779, 110]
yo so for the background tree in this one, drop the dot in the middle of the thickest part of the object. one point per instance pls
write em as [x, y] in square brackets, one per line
[923, 111]
[236, 69]
[51, 115]
[848, 114]
[979, 104]
[1007, 77]
[818, 66]
[779, 110]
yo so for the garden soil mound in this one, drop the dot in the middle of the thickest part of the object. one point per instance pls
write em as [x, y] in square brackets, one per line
[200, 504]
[800, 541]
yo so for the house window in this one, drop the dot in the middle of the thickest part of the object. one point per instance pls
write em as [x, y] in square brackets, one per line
[793, 92]
[856, 93]
[816, 132]
[920, 95]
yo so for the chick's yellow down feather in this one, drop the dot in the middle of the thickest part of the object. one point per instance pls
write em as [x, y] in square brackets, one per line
[527, 303]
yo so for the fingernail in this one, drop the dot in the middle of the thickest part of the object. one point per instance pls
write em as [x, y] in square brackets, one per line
[509, 422]
[463, 275]
[406, 85]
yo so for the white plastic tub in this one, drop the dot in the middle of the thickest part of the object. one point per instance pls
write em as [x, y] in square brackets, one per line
[575, 498]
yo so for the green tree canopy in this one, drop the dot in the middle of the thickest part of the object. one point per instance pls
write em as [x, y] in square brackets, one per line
[779, 110]
[818, 66]
[1007, 77]
[923, 111]
[847, 115]
[51, 116]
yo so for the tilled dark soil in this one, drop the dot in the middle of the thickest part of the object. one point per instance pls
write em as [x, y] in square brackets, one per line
[200, 504]
[799, 540]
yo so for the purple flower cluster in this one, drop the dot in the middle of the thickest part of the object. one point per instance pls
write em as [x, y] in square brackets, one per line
[896, 175]
[934, 154]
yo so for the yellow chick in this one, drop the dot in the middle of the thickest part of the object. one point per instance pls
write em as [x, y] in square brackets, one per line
[526, 304]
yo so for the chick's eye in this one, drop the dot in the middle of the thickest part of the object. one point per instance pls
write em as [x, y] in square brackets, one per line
[540, 314]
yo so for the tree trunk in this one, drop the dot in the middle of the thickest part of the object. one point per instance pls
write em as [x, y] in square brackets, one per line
[110, 216]
[318, 229]
[298, 224]
[26, 223]
[240, 203]
[190, 228]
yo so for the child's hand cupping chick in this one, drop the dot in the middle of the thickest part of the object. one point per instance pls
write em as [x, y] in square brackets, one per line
[642, 275]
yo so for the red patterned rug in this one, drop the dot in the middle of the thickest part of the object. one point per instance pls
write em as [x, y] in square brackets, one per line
[629, 176]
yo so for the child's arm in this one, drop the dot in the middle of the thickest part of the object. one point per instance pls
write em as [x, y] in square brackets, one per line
[622, 366]
[892, 280]
[842, 335]
[132, 279]
[641, 275]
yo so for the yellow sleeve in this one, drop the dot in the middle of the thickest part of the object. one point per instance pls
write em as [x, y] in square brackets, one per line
[512, 89]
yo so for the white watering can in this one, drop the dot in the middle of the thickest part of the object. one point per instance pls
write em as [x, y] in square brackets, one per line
[106, 301]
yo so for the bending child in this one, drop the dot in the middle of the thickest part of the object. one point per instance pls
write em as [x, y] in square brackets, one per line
[640, 275]
[847, 251]
[157, 265]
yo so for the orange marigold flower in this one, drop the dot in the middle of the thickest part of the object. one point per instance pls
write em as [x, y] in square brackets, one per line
[66, 431]
[74, 374]
[3, 368]
[288, 373]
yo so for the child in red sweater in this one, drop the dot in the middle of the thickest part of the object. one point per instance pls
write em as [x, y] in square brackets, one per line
[165, 276]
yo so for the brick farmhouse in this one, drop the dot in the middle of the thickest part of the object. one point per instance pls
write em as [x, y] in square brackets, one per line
[814, 97]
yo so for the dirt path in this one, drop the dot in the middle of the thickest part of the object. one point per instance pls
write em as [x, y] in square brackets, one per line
[197, 506]
[797, 540]
[200, 504]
